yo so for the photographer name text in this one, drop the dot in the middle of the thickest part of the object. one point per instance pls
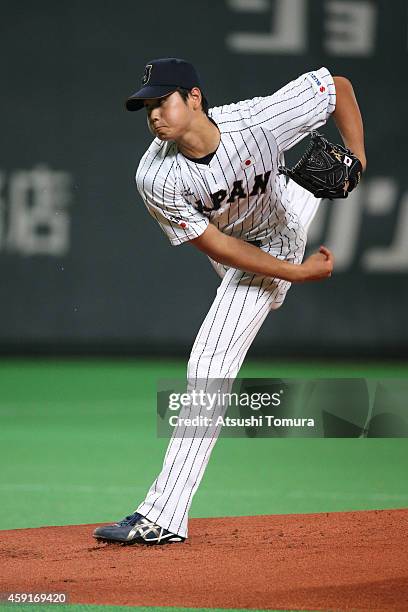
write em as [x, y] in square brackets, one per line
[253, 421]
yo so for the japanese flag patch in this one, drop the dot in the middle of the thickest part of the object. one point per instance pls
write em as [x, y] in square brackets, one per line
[248, 162]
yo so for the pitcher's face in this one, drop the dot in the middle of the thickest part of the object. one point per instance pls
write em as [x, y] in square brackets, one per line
[169, 117]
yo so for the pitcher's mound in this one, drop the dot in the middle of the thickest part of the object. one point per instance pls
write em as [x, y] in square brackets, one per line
[336, 561]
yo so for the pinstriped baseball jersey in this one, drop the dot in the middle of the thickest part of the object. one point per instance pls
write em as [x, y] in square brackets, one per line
[240, 190]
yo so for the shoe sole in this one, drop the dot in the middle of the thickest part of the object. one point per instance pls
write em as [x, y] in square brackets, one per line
[138, 541]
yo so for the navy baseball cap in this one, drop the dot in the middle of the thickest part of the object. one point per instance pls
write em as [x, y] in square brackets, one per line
[161, 77]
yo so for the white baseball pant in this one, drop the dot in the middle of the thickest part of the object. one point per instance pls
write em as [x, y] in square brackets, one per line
[241, 305]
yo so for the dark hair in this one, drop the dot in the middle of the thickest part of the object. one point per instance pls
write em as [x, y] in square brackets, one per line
[184, 93]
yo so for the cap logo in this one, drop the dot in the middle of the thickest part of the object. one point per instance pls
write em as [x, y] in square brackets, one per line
[146, 74]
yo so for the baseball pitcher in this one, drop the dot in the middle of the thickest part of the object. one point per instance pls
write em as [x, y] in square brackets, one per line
[217, 178]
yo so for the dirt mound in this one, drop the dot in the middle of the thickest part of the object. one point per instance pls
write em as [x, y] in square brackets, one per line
[335, 561]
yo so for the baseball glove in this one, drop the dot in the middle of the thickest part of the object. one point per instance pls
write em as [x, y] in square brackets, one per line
[327, 170]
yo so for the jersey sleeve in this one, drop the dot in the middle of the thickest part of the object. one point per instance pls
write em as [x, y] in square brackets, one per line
[297, 108]
[177, 217]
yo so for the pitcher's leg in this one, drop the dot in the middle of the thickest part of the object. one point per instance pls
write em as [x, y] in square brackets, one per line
[237, 313]
[304, 203]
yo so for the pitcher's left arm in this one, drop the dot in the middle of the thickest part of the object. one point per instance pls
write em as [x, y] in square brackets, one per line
[347, 117]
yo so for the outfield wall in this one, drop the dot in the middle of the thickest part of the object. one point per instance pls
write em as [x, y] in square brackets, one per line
[83, 265]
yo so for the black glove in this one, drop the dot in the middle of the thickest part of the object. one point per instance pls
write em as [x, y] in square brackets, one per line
[327, 170]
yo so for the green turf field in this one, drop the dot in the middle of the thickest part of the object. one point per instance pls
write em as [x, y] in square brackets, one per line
[78, 445]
